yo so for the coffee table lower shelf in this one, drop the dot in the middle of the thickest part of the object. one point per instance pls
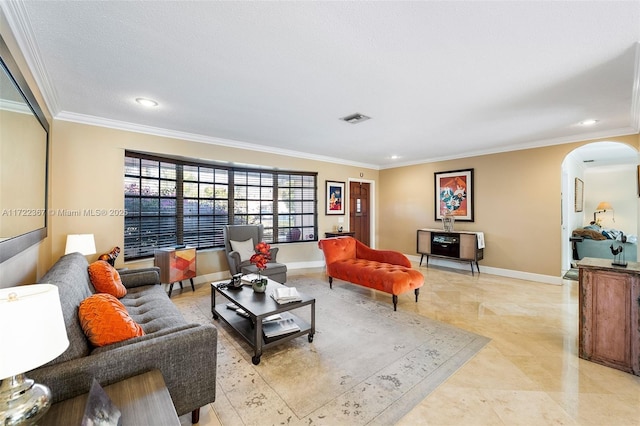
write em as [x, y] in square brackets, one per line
[250, 328]
[246, 328]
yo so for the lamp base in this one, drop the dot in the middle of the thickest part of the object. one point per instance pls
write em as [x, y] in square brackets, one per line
[22, 402]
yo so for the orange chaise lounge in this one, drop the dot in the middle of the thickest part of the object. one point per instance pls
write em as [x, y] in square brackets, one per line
[385, 270]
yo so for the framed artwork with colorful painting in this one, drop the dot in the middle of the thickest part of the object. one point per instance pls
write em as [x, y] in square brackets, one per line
[454, 194]
[335, 197]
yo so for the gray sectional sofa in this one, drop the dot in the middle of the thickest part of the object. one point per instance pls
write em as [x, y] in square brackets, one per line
[184, 353]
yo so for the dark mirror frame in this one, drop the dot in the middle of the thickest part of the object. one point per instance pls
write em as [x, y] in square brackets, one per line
[12, 246]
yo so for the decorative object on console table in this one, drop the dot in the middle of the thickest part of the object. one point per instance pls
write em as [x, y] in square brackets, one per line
[454, 194]
[618, 256]
[33, 334]
[447, 221]
[176, 265]
[334, 197]
[82, 243]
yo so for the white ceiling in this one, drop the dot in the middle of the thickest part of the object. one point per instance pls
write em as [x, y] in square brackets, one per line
[440, 79]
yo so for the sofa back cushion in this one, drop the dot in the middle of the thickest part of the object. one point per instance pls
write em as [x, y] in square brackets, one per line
[70, 275]
[336, 249]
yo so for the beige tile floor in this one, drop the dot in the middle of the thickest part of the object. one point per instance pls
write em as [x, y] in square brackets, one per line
[529, 374]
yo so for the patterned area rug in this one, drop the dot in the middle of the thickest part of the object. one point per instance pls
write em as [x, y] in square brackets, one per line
[366, 365]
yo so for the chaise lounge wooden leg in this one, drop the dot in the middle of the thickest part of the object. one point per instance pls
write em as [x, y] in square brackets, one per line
[417, 292]
[330, 282]
[195, 416]
[395, 302]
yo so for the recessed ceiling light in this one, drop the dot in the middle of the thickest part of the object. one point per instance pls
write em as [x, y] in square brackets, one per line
[355, 118]
[395, 157]
[589, 122]
[146, 102]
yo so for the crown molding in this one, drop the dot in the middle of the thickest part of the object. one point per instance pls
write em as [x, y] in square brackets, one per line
[624, 131]
[18, 21]
[155, 131]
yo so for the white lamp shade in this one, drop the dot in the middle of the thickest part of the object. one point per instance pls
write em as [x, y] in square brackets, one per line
[33, 330]
[81, 243]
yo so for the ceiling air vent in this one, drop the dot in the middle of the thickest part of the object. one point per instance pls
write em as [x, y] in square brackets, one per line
[355, 118]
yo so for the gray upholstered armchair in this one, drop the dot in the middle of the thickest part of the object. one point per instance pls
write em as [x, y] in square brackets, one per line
[240, 242]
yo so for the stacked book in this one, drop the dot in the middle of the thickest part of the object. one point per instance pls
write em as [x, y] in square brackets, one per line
[280, 327]
[286, 295]
[249, 278]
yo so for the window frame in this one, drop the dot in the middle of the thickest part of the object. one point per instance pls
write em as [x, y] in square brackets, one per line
[282, 226]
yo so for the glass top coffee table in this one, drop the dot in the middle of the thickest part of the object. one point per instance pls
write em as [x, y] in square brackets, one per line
[257, 307]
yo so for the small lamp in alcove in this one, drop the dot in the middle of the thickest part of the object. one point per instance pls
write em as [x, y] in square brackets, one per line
[602, 207]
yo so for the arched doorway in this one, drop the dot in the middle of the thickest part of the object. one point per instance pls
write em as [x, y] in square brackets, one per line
[604, 171]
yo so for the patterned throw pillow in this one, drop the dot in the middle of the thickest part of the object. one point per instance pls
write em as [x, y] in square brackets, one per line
[106, 279]
[105, 320]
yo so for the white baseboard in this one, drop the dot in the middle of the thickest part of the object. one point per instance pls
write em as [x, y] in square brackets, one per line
[303, 265]
[545, 279]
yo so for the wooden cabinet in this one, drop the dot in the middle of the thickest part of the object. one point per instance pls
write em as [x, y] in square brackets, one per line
[609, 321]
[462, 246]
[176, 265]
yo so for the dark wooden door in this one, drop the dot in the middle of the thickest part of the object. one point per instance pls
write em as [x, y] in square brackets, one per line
[359, 217]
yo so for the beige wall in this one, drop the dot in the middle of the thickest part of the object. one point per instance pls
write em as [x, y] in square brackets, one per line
[517, 205]
[87, 168]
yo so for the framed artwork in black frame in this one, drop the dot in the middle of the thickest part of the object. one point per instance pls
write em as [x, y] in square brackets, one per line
[454, 194]
[334, 197]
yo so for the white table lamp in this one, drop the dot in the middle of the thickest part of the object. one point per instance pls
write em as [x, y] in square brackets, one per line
[82, 243]
[33, 334]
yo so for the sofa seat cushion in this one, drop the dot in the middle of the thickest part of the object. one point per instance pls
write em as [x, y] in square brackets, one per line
[393, 279]
[106, 279]
[105, 320]
[150, 307]
[273, 268]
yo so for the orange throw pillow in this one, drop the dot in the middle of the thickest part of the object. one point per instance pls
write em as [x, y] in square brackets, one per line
[106, 279]
[105, 320]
